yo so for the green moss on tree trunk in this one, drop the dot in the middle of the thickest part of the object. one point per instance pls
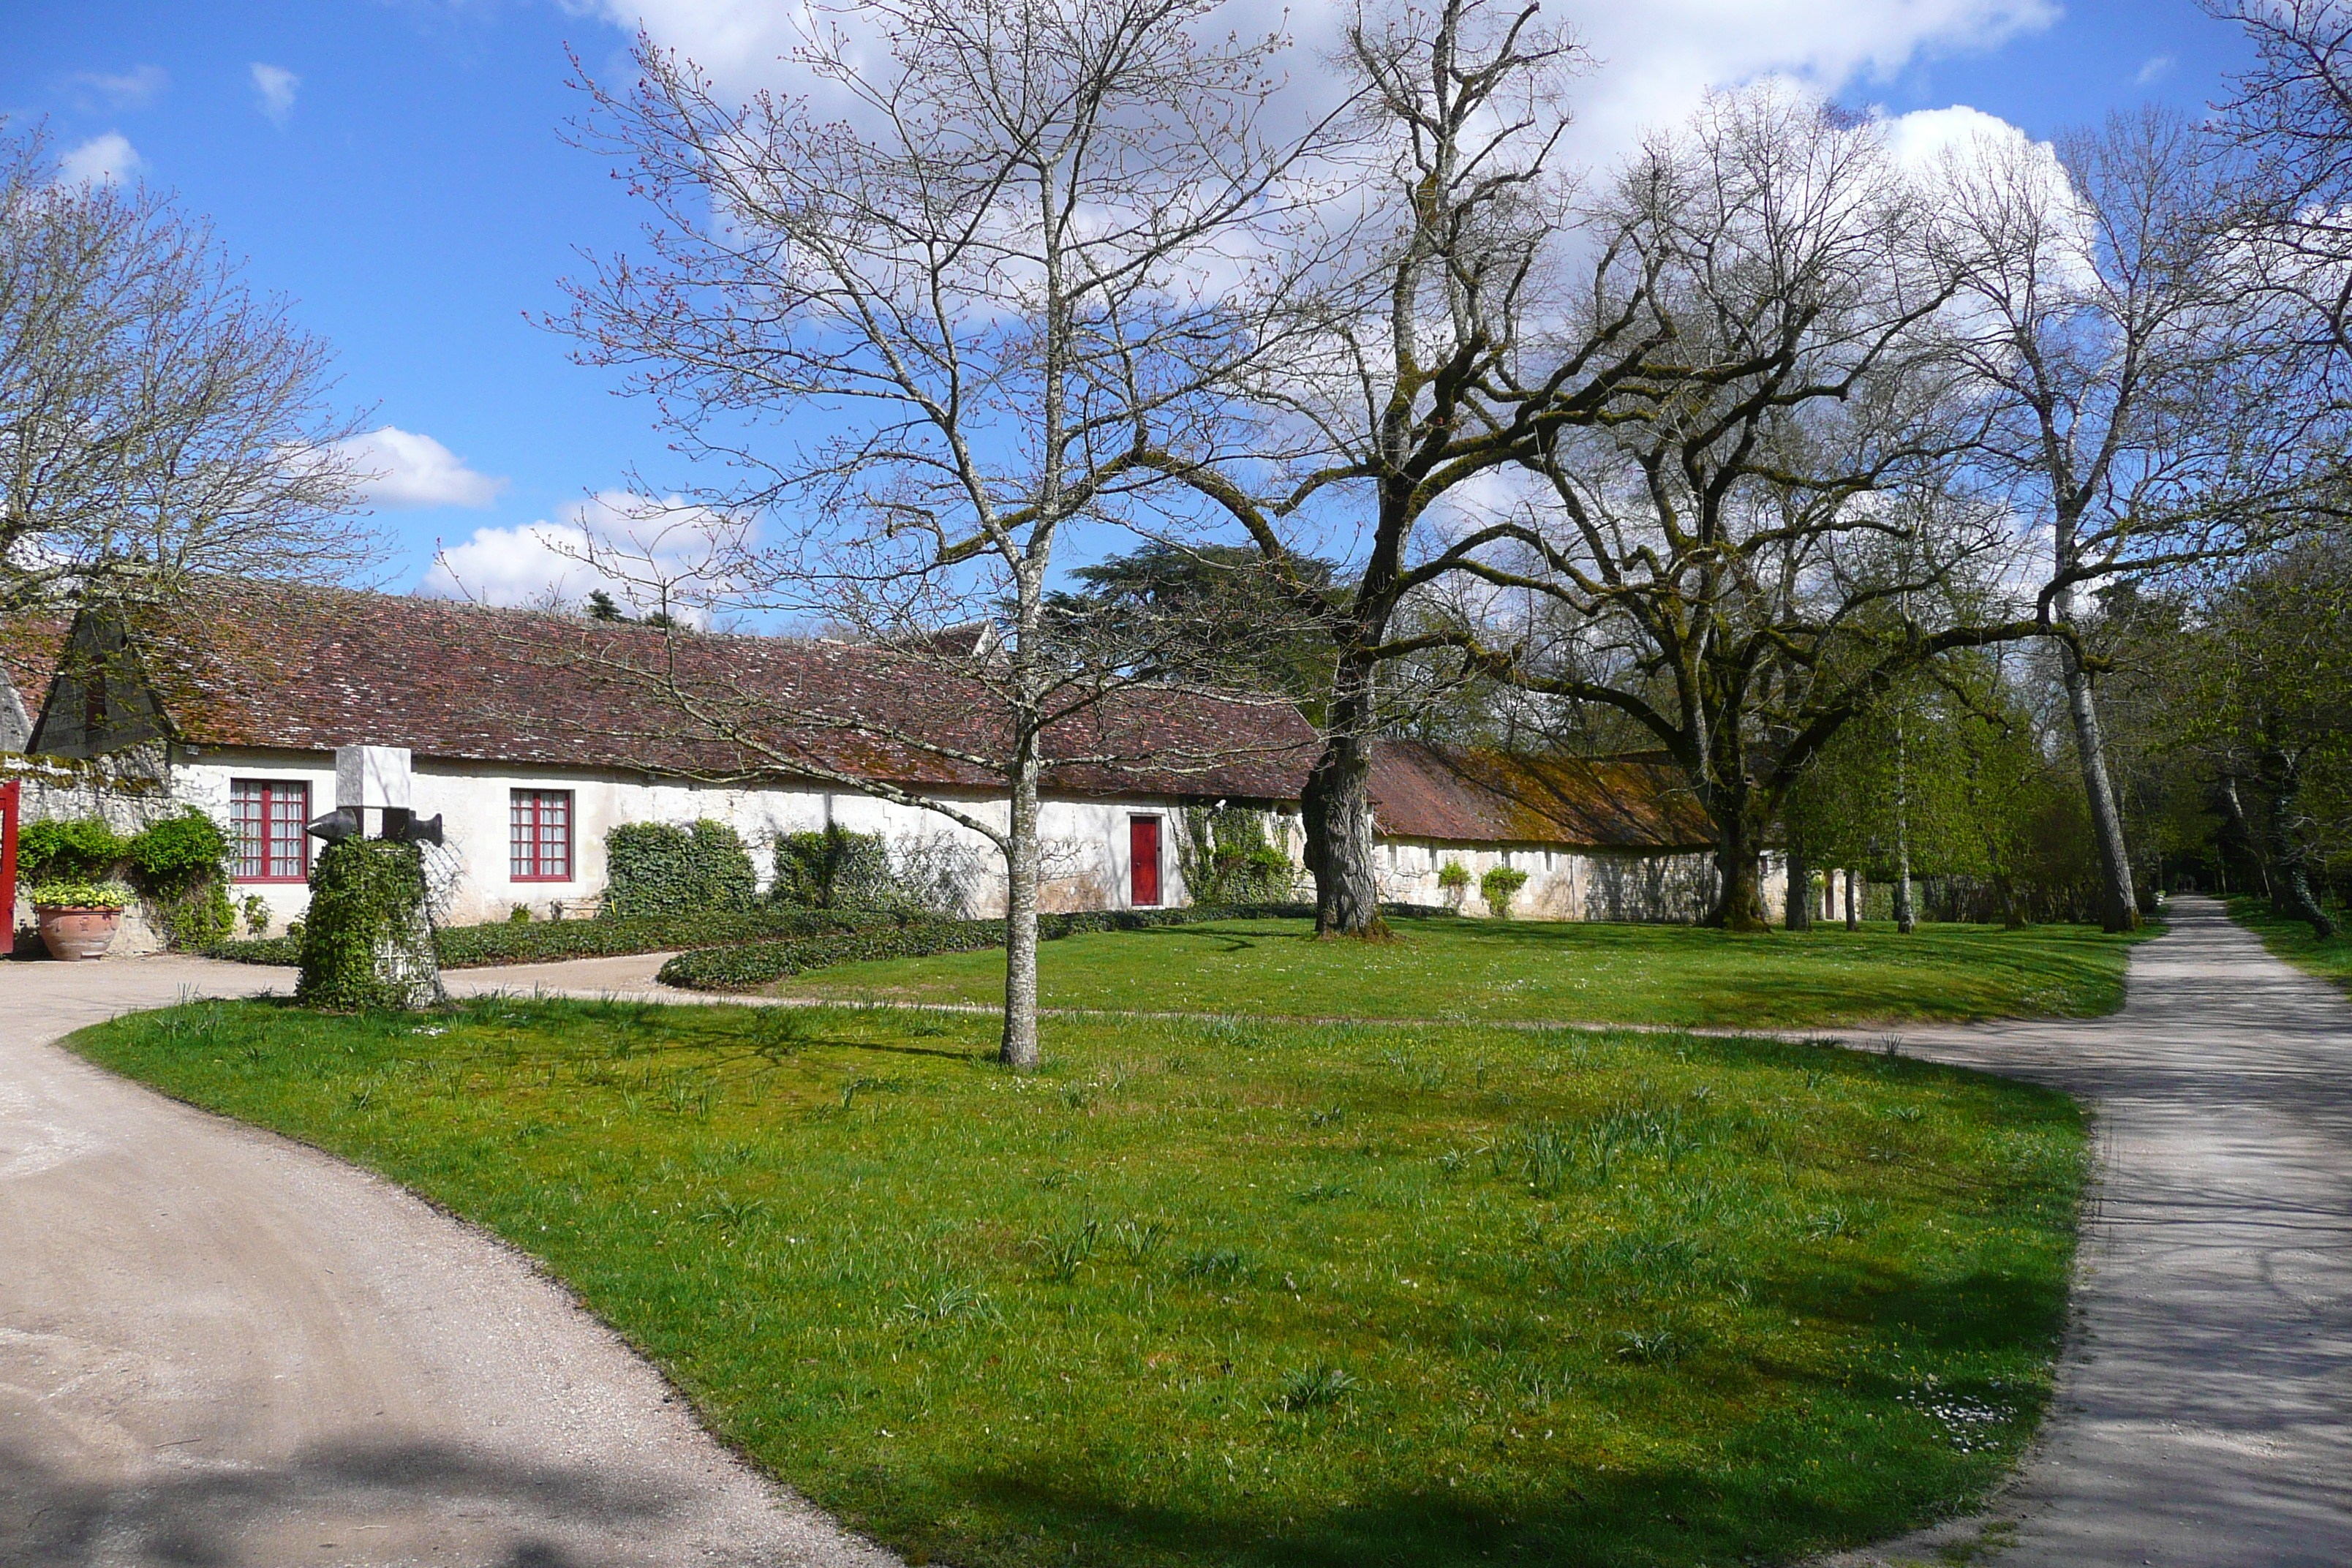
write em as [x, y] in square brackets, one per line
[367, 941]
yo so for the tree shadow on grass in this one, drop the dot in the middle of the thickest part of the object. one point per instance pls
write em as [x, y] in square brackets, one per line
[496, 1512]
[1655, 1516]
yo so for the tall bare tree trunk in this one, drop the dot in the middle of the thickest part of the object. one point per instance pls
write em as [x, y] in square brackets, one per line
[1739, 874]
[1335, 808]
[1800, 900]
[2236, 808]
[2118, 905]
[1853, 887]
[2282, 779]
[1020, 1048]
[1906, 919]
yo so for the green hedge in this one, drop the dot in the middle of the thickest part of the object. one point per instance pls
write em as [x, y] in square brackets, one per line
[756, 964]
[362, 942]
[178, 863]
[835, 870]
[81, 850]
[658, 869]
[549, 942]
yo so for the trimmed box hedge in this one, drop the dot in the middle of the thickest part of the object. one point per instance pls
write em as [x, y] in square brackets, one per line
[551, 941]
[756, 964]
[665, 868]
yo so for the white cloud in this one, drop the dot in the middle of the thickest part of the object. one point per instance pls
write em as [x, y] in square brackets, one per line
[1658, 61]
[617, 542]
[1655, 60]
[413, 470]
[1968, 149]
[276, 84]
[1920, 138]
[2154, 71]
[134, 88]
[101, 161]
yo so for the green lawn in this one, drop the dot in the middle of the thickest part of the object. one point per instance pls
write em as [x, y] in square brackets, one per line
[1243, 1293]
[1536, 972]
[2293, 941]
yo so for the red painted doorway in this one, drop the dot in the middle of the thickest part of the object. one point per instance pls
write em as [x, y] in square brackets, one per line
[1143, 859]
[9, 805]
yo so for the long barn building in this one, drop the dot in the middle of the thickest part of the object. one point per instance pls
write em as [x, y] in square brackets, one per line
[532, 734]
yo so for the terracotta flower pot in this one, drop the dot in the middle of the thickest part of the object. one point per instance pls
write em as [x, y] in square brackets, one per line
[71, 934]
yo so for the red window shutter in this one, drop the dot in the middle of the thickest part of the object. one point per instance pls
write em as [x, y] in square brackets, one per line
[1143, 857]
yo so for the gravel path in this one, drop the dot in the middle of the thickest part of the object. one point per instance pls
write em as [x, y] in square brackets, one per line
[219, 1348]
[2205, 1407]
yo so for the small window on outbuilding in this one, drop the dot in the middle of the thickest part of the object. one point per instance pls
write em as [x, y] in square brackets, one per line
[540, 840]
[266, 816]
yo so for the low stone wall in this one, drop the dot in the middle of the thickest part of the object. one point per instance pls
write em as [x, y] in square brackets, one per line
[1639, 887]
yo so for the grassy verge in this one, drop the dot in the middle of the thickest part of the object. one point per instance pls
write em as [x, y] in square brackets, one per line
[2293, 941]
[1537, 972]
[1240, 1293]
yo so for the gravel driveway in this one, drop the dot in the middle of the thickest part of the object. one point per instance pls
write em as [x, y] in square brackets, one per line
[218, 1349]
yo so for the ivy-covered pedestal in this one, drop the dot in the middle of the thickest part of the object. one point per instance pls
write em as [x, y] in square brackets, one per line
[367, 938]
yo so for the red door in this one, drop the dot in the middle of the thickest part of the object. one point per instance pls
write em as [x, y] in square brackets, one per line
[8, 867]
[1143, 854]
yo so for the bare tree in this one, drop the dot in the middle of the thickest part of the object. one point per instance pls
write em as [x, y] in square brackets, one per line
[1017, 251]
[1457, 328]
[1743, 562]
[2148, 406]
[2292, 118]
[158, 419]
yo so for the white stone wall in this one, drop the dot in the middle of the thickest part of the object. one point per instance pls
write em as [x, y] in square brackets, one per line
[1565, 884]
[1086, 841]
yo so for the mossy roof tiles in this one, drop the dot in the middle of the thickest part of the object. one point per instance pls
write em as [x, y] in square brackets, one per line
[1475, 797]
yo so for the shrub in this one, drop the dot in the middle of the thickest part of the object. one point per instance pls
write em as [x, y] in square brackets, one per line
[835, 870]
[661, 868]
[365, 942]
[519, 915]
[256, 914]
[549, 942]
[756, 964]
[79, 895]
[84, 850]
[181, 864]
[1454, 883]
[1500, 887]
[1227, 858]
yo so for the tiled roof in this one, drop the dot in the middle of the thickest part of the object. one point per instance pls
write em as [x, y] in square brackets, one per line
[309, 669]
[1477, 797]
[30, 646]
[305, 668]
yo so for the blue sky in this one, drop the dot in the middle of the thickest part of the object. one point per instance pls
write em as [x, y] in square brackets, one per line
[397, 167]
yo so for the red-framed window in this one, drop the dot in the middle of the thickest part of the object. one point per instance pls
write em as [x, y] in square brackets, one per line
[539, 842]
[268, 815]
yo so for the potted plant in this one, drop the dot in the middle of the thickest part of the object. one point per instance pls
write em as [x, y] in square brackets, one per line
[78, 918]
